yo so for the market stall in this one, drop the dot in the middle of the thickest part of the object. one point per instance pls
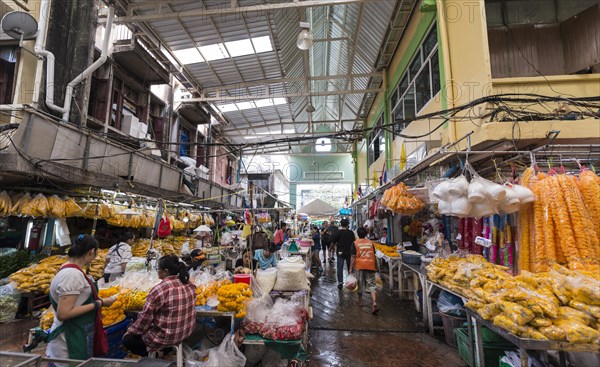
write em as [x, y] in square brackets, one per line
[478, 226]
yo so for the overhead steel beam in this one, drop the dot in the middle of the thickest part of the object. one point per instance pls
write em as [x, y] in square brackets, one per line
[232, 9]
[279, 95]
[291, 122]
[288, 80]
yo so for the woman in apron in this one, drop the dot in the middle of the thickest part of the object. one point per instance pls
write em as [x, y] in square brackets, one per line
[118, 256]
[77, 331]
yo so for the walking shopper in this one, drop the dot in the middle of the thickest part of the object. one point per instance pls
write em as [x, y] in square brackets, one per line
[363, 260]
[343, 240]
[279, 237]
[325, 241]
[332, 229]
[168, 316]
[316, 248]
[118, 256]
[75, 298]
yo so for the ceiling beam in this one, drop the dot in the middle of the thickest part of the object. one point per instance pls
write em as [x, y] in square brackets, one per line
[240, 98]
[225, 10]
[291, 122]
[256, 83]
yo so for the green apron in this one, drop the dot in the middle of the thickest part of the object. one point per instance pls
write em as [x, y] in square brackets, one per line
[79, 332]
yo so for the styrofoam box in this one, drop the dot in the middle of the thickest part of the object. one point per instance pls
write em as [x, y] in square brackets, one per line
[143, 128]
[142, 135]
[130, 125]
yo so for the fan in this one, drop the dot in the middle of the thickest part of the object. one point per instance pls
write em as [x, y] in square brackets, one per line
[19, 25]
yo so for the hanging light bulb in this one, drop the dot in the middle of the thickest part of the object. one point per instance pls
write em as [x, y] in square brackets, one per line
[305, 37]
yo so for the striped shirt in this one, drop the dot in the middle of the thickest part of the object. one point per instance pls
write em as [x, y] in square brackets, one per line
[117, 255]
[168, 316]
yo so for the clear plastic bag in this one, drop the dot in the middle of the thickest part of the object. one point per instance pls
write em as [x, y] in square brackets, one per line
[285, 321]
[257, 312]
[226, 354]
[450, 304]
[291, 277]
[266, 279]
[9, 301]
[351, 282]
[138, 280]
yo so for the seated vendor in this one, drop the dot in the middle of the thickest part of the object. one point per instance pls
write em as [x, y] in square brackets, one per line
[245, 261]
[266, 257]
[168, 316]
[197, 257]
[383, 238]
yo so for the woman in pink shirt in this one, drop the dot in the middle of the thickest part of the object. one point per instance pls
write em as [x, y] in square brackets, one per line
[279, 236]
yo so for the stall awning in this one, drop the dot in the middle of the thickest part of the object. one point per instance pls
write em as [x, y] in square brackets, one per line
[318, 207]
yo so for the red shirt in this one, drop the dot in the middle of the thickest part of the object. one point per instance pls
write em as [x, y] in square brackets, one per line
[169, 314]
[278, 240]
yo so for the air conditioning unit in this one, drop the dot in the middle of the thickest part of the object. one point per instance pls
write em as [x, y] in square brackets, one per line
[324, 176]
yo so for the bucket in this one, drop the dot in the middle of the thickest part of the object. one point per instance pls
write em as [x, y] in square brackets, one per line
[242, 278]
[305, 243]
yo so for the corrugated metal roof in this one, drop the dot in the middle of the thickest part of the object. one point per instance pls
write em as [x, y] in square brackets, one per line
[348, 41]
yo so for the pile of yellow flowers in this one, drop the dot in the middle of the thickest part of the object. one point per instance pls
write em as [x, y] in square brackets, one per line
[389, 251]
[38, 277]
[116, 312]
[47, 319]
[168, 246]
[233, 298]
[558, 305]
[135, 300]
[97, 265]
[203, 292]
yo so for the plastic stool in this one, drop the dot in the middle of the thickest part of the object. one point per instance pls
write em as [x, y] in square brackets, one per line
[178, 349]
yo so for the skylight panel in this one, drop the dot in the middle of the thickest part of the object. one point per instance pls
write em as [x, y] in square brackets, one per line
[267, 102]
[323, 145]
[244, 105]
[227, 107]
[263, 102]
[262, 44]
[239, 48]
[188, 55]
[214, 52]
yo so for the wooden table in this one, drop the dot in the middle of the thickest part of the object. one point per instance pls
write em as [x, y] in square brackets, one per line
[393, 265]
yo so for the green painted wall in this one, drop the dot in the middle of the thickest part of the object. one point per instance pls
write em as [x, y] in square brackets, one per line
[324, 167]
[425, 20]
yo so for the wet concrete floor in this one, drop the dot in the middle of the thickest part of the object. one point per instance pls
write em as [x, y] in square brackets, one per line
[13, 335]
[343, 334]
[340, 334]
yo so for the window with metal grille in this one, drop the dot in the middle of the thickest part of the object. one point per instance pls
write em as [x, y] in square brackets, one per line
[376, 142]
[419, 84]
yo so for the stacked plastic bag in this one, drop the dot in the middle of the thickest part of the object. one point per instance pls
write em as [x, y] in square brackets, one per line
[291, 275]
[561, 305]
[10, 297]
